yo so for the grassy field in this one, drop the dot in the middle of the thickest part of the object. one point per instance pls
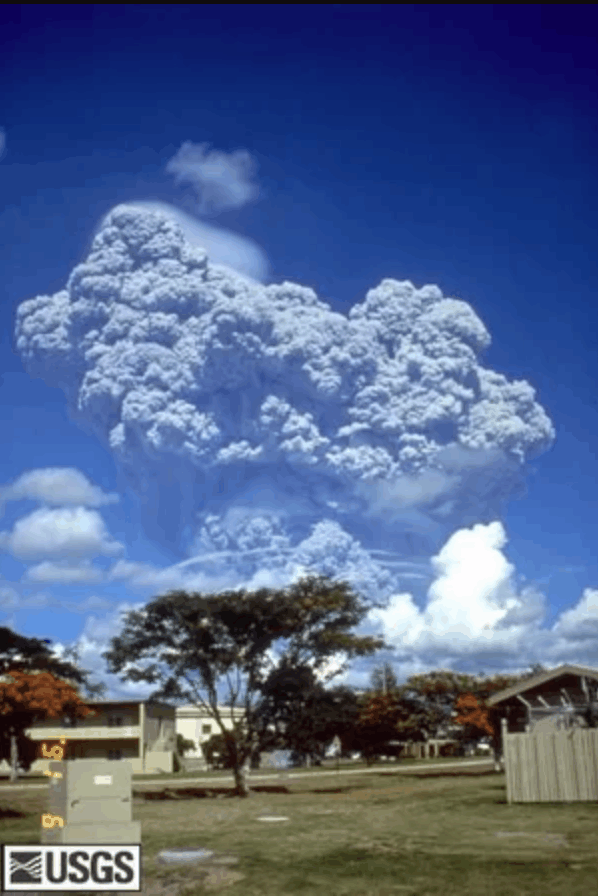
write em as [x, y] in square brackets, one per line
[440, 832]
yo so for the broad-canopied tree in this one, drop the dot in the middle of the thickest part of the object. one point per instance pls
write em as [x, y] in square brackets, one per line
[195, 644]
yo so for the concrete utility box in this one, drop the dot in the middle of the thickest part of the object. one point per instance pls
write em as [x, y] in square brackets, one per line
[93, 798]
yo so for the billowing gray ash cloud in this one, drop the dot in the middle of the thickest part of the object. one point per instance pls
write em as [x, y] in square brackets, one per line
[264, 432]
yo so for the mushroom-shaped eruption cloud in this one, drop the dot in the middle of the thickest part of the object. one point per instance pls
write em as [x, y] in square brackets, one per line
[262, 431]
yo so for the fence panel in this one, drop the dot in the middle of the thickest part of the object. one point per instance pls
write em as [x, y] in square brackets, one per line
[558, 766]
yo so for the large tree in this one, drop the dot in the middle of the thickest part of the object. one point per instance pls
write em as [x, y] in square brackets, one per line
[216, 640]
[302, 714]
[35, 685]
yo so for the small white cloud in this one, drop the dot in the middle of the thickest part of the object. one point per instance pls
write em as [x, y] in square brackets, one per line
[61, 535]
[59, 574]
[58, 486]
[220, 180]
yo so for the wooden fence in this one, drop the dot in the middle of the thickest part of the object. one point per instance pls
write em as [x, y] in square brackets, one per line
[558, 766]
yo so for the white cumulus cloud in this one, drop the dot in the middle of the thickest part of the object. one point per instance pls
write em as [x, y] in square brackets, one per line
[472, 605]
[59, 486]
[61, 534]
[580, 623]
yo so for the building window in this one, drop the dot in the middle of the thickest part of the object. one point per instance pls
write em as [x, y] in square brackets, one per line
[115, 721]
[206, 729]
[115, 754]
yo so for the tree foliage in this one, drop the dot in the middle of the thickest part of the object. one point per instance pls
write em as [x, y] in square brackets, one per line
[429, 705]
[35, 685]
[26, 698]
[219, 751]
[20, 653]
[183, 745]
[297, 712]
[474, 715]
[216, 640]
[377, 725]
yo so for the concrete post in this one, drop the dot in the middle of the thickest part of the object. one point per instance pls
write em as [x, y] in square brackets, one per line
[90, 801]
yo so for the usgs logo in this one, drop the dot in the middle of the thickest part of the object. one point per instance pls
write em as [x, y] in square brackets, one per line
[66, 867]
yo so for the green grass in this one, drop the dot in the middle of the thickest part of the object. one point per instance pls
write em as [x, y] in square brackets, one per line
[428, 834]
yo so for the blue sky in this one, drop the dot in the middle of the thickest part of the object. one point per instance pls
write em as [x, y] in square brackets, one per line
[346, 149]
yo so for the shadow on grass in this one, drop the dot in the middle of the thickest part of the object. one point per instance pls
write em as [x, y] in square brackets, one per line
[186, 793]
[11, 813]
[388, 867]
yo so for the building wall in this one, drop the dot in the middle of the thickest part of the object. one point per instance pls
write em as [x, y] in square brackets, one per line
[158, 737]
[194, 723]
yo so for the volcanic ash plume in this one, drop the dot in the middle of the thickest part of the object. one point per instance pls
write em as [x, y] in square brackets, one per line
[264, 432]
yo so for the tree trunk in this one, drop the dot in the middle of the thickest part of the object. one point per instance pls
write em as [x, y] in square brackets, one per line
[241, 787]
[14, 758]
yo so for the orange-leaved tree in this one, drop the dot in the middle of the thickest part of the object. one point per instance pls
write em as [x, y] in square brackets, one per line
[27, 697]
[473, 715]
[29, 656]
[384, 721]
